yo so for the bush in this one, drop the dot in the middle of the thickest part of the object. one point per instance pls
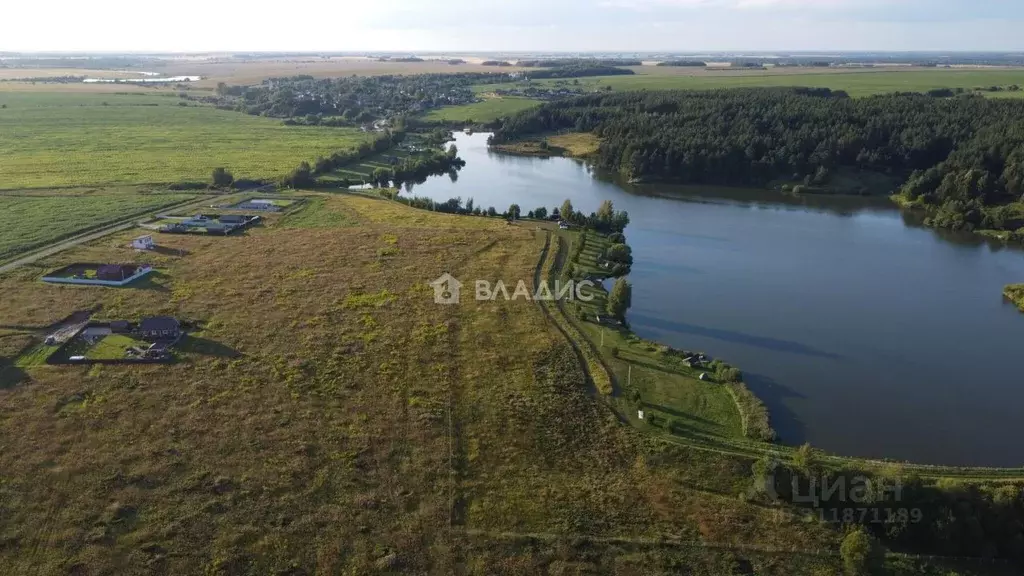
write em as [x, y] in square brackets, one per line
[861, 554]
[188, 186]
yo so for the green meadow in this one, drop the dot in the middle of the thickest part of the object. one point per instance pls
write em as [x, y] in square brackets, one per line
[34, 221]
[59, 139]
[858, 84]
[486, 111]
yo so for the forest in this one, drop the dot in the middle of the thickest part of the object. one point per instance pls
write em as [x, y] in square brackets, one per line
[961, 157]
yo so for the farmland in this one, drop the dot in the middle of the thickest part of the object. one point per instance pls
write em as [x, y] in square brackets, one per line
[376, 427]
[32, 221]
[62, 139]
[856, 83]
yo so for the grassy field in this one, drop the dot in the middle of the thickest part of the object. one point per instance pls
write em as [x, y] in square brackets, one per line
[332, 418]
[62, 139]
[485, 111]
[857, 83]
[32, 221]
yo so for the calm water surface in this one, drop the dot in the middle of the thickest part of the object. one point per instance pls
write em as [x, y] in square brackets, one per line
[864, 333]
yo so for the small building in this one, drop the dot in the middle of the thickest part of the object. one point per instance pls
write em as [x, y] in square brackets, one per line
[120, 326]
[233, 219]
[143, 243]
[113, 272]
[160, 328]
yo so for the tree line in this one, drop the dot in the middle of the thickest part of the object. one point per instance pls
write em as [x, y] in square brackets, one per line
[961, 157]
[905, 512]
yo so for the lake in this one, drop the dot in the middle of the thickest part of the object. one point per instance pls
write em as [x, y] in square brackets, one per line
[864, 333]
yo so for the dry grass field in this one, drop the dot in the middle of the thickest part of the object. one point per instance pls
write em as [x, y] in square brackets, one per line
[331, 418]
[237, 71]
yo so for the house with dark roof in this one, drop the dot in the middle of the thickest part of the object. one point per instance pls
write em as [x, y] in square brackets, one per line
[160, 328]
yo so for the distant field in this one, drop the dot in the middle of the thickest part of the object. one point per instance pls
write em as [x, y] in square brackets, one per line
[33, 221]
[52, 139]
[857, 83]
[237, 71]
[486, 111]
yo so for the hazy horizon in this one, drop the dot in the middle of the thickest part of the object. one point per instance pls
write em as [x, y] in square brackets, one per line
[192, 26]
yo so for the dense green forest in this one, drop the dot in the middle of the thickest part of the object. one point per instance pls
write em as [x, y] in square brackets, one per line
[961, 157]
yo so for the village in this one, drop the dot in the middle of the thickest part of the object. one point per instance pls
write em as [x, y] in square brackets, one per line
[83, 339]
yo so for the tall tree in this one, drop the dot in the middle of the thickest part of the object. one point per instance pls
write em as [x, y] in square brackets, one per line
[566, 211]
[605, 213]
[222, 178]
[620, 299]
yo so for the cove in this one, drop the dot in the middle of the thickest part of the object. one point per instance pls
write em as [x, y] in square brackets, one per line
[864, 333]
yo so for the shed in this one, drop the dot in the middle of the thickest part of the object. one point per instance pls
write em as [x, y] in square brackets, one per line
[143, 243]
[160, 328]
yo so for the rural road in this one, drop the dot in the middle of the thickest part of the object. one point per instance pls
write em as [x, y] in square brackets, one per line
[90, 236]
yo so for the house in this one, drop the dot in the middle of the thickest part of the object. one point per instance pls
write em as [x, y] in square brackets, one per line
[160, 328]
[143, 243]
[120, 327]
[232, 219]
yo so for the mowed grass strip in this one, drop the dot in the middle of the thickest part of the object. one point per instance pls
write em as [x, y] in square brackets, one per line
[34, 221]
[63, 139]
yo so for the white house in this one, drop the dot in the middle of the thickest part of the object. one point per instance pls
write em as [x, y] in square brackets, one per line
[143, 243]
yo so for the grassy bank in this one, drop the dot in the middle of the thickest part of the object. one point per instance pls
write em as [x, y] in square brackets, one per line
[574, 144]
[1015, 292]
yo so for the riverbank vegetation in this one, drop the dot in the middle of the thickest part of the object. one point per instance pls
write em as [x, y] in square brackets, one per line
[1015, 292]
[573, 144]
[958, 157]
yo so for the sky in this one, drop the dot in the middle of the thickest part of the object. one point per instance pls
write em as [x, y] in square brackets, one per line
[513, 25]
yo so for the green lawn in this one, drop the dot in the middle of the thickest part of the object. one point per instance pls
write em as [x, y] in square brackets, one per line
[34, 221]
[62, 139]
[113, 347]
[486, 111]
[858, 84]
[35, 356]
